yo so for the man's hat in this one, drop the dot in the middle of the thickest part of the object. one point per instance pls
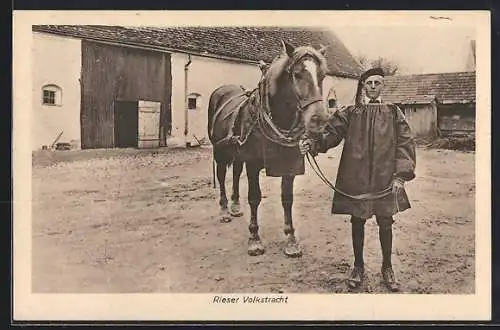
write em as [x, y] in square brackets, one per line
[372, 72]
[363, 77]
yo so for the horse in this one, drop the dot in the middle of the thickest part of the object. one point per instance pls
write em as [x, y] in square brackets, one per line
[261, 128]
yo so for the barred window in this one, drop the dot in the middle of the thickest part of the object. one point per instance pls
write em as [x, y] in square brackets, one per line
[51, 95]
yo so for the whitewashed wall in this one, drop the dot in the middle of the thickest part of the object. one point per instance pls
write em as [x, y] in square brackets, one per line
[56, 60]
[345, 89]
[204, 76]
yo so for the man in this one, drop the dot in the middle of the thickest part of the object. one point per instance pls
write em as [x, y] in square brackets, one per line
[379, 152]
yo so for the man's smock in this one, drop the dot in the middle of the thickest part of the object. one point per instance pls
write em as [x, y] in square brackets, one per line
[378, 146]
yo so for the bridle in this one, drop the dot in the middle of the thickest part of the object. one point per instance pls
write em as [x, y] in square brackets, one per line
[283, 137]
[301, 103]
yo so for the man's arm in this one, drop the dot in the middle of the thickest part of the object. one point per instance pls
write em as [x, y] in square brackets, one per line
[336, 130]
[405, 148]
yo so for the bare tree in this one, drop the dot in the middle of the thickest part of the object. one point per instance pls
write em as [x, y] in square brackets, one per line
[364, 61]
[390, 68]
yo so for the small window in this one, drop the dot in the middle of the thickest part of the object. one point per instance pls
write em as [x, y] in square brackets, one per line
[51, 95]
[332, 103]
[192, 103]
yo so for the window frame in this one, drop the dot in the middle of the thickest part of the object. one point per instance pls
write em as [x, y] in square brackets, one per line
[52, 88]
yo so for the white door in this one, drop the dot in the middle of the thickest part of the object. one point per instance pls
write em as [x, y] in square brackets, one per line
[149, 124]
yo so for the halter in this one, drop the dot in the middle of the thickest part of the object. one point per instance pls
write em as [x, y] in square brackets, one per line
[301, 104]
[283, 137]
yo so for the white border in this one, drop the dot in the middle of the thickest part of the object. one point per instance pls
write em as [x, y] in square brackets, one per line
[28, 306]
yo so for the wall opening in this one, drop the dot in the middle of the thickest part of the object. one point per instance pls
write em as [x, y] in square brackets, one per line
[126, 123]
[194, 101]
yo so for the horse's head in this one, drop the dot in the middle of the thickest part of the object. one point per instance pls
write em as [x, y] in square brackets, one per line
[295, 80]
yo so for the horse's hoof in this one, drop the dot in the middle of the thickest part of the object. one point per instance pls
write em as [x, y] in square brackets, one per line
[225, 217]
[293, 251]
[292, 248]
[255, 248]
[235, 210]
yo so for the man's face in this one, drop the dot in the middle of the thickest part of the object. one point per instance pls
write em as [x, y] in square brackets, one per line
[373, 86]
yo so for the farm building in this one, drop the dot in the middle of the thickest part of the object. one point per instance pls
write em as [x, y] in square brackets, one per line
[441, 104]
[111, 86]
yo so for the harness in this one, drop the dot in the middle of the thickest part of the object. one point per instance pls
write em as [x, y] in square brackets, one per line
[230, 138]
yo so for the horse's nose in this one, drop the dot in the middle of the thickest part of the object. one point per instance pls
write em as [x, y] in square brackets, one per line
[316, 122]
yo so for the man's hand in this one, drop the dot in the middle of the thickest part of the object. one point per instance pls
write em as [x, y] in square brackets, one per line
[305, 146]
[398, 185]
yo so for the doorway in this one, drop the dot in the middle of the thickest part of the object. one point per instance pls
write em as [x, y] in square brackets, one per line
[126, 123]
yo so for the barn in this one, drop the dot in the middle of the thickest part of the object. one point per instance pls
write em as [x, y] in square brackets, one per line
[439, 104]
[114, 86]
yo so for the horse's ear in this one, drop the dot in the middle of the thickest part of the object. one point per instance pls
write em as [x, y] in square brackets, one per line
[322, 49]
[263, 66]
[288, 48]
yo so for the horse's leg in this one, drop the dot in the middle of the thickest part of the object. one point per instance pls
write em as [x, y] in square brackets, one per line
[255, 246]
[235, 209]
[292, 248]
[221, 177]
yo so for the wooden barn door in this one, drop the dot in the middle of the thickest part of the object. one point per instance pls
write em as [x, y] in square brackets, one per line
[149, 124]
[122, 73]
[126, 123]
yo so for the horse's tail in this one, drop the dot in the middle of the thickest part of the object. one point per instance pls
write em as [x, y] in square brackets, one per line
[213, 103]
[210, 114]
[213, 168]
[220, 154]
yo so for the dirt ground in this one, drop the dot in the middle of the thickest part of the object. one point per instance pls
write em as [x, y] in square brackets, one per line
[124, 221]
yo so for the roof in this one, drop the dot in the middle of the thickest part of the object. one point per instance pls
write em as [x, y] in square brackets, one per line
[242, 43]
[452, 87]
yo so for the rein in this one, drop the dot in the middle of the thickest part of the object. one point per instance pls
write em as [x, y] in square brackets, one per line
[367, 196]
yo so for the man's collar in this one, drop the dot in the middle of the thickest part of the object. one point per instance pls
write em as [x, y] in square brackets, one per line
[367, 99]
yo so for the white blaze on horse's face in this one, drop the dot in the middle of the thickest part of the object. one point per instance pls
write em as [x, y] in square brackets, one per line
[311, 66]
[308, 81]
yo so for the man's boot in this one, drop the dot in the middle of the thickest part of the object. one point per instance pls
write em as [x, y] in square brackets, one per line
[358, 237]
[385, 236]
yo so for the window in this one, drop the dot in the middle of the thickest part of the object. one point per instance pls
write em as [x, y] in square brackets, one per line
[332, 103]
[51, 95]
[194, 101]
[332, 98]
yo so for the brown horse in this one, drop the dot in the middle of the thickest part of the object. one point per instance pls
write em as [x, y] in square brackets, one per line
[261, 129]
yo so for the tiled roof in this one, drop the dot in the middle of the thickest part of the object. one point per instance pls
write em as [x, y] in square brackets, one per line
[453, 87]
[244, 43]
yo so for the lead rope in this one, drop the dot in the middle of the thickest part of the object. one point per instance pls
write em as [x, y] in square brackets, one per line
[368, 196]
